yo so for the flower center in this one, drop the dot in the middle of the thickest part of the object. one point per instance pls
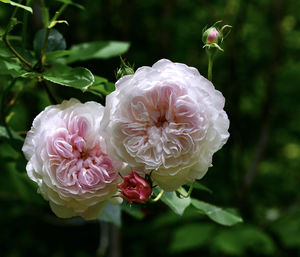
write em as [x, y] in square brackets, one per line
[162, 125]
[75, 161]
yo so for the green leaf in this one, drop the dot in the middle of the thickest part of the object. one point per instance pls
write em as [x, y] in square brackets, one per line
[191, 236]
[177, 204]
[16, 141]
[12, 23]
[111, 213]
[4, 52]
[239, 240]
[200, 186]
[217, 214]
[287, 228]
[133, 210]
[57, 54]
[27, 8]
[97, 50]
[71, 3]
[55, 42]
[101, 87]
[80, 78]
[10, 66]
[4, 134]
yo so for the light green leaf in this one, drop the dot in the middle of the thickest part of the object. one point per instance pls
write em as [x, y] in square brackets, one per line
[71, 3]
[111, 213]
[97, 50]
[217, 214]
[177, 204]
[27, 8]
[80, 78]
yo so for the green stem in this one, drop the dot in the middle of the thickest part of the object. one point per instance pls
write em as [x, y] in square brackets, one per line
[44, 49]
[9, 46]
[20, 57]
[59, 12]
[210, 65]
[55, 17]
[50, 95]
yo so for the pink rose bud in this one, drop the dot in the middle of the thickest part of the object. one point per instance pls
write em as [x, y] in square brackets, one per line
[135, 189]
[211, 36]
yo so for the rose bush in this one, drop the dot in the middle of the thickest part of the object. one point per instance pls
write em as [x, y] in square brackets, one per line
[67, 158]
[135, 189]
[167, 119]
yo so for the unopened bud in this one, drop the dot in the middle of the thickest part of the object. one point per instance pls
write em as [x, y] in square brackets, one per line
[135, 189]
[124, 69]
[211, 35]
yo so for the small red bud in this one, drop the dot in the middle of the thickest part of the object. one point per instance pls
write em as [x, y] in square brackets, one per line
[135, 189]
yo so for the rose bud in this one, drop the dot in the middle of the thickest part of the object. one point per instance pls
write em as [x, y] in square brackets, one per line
[135, 189]
[125, 69]
[211, 35]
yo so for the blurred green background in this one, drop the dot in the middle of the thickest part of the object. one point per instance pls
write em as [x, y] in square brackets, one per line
[256, 172]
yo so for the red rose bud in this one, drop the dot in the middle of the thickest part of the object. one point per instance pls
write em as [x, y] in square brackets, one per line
[135, 189]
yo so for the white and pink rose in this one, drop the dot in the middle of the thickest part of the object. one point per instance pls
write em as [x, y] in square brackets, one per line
[67, 158]
[166, 120]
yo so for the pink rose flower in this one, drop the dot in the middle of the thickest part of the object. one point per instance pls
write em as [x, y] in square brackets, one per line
[135, 189]
[67, 158]
[167, 119]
